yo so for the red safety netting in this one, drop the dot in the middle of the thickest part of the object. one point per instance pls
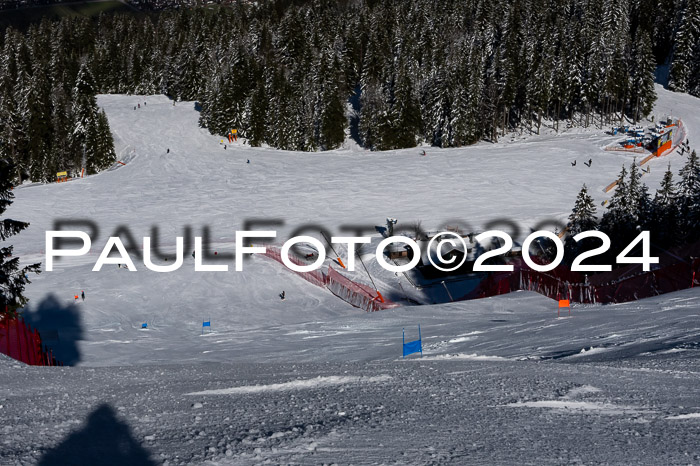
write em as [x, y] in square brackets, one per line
[620, 285]
[633, 286]
[19, 341]
[357, 294]
[557, 284]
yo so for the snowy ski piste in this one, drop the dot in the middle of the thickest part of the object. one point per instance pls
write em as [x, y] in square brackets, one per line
[309, 379]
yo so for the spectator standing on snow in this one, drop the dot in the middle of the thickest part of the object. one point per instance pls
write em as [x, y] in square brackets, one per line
[82, 294]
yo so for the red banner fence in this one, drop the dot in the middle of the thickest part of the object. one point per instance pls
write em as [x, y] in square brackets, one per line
[354, 293]
[20, 342]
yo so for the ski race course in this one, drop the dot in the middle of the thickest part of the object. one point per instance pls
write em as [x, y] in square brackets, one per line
[311, 379]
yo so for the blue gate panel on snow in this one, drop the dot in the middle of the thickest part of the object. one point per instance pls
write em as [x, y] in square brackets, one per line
[412, 347]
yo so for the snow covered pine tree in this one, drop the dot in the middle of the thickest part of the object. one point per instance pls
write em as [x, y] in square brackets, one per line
[12, 277]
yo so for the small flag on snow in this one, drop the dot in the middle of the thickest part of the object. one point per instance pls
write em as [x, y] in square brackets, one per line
[563, 303]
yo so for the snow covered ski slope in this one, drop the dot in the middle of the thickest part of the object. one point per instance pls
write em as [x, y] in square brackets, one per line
[198, 183]
[310, 379]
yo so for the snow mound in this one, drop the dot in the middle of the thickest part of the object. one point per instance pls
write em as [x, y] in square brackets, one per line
[463, 356]
[578, 406]
[318, 382]
[684, 416]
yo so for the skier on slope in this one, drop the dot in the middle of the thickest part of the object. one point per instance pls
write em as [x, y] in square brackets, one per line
[282, 295]
[82, 294]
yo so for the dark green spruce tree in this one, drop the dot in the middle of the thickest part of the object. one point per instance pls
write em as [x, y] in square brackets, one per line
[664, 217]
[617, 221]
[689, 199]
[582, 218]
[685, 66]
[13, 277]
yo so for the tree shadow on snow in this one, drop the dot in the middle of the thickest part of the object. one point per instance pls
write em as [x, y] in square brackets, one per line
[354, 101]
[60, 326]
[103, 440]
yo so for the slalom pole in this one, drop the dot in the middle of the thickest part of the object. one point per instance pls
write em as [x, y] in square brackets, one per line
[420, 338]
[357, 253]
[337, 256]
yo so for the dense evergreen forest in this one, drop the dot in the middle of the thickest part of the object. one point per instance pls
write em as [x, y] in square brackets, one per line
[301, 75]
[671, 215]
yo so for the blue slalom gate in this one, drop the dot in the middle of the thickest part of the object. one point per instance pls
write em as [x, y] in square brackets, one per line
[412, 346]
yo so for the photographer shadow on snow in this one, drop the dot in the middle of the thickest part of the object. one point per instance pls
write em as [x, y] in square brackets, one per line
[103, 439]
[60, 326]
